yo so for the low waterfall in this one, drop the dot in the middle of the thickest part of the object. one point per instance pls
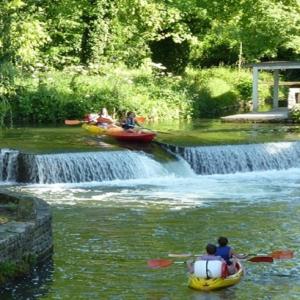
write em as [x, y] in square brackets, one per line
[92, 166]
[86, 167]
[110, 165]
[8, 165]
[241, 158]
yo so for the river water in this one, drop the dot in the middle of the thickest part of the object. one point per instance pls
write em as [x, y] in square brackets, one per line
[105, 231]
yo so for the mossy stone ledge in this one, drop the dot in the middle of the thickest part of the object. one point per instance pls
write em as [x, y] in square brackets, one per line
[25, 234]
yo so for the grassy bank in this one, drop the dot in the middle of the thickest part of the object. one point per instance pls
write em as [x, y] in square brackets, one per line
[50, 96]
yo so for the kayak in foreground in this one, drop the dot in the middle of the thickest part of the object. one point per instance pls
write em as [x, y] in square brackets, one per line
[203, 284]
[144, 137]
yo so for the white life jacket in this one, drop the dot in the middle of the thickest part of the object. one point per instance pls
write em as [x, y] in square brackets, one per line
[210, 269]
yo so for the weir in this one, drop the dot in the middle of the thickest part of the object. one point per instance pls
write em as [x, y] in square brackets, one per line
[241, 158]
[85, 167]
[90, 166]
[125, 164]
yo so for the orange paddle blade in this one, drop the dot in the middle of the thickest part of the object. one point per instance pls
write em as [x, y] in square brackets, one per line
[159, 263]
[268, 259]
[140, 119]
[72, 122]
[282, 254]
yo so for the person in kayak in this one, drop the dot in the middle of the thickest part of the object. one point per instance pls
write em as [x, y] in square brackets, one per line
[227, 253]
[104, 120]
[210, 255]
[129, 123]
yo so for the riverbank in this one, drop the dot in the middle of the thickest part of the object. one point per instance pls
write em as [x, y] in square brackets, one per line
[52, 96]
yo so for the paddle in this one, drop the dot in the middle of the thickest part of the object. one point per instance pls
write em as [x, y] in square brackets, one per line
[268, 259]
[276, 254]
[140, 119]
[164, 263]
[100, 120]
[74, 122]
[159, 263]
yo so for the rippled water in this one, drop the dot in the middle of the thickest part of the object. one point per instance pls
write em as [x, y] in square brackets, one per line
[104, 233]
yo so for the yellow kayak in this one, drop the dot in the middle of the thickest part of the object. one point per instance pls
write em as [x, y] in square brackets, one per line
[94, 129]
[203, 284]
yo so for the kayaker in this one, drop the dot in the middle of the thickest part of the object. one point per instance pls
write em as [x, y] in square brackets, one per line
[227, 253]
[104, 120]
[129, 123]
[210, 255]
[91, 118]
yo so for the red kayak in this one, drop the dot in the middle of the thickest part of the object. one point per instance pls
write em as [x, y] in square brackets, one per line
[127, 136]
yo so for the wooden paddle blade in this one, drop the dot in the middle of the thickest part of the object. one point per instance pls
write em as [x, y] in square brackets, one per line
[72, 122]
[159, 263]
[282, 254]
[268, 259]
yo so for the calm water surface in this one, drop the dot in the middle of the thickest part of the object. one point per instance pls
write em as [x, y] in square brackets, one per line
[104, 232]
[201, 132]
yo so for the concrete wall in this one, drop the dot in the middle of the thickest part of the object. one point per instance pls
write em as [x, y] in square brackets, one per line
[30, 234]
[292, 96]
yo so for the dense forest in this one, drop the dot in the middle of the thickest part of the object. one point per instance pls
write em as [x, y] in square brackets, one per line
[62, 58]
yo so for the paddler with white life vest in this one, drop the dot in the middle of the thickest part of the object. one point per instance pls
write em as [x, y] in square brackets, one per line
[209, 265]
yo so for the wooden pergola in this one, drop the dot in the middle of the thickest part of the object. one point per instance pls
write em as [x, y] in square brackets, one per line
[274, 66]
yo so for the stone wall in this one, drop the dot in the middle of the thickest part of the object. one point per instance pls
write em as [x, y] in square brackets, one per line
[30, 233]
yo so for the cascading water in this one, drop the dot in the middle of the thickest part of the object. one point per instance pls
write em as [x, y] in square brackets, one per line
[241, 158]
[8, 165]
[111, 165]
[86, 167]
[94, 166]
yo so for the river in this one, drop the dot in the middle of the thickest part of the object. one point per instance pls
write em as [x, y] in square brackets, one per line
[106, 230]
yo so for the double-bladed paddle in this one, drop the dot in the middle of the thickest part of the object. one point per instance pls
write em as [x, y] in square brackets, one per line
[164, 263]
[278, 254]
[77, 122]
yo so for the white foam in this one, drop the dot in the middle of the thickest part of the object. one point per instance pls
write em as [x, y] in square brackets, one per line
[177, 192]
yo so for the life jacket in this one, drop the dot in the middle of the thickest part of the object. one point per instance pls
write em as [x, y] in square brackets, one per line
[210, 269]
[224, 252]
[128, 123]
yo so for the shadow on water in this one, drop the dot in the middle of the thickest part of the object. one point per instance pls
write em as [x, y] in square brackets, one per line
[31, 286]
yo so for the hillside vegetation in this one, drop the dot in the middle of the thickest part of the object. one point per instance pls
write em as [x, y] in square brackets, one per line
[164, 59]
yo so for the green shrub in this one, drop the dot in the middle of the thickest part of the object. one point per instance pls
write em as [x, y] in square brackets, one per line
[52, 96]
[13, 269]
[295, 113]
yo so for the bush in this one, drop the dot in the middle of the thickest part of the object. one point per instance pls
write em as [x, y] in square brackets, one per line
[222, 91]
[295, 113]
[52, 96]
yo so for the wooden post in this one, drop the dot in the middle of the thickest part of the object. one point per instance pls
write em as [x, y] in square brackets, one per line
[275, 88]
[255, 89]
[240, 57]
